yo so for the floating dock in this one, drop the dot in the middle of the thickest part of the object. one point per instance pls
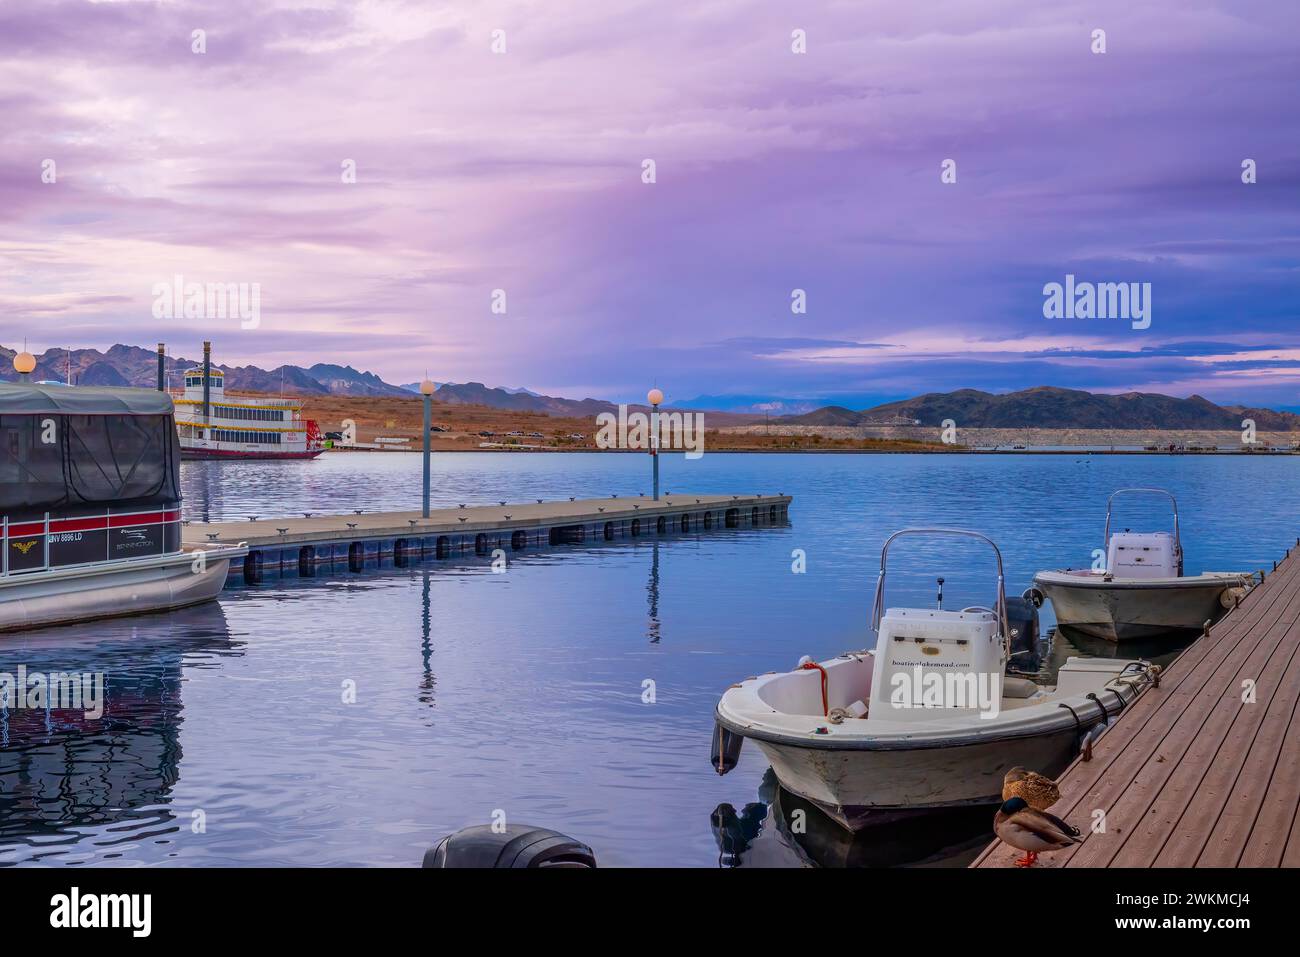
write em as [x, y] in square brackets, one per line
[1204, 770]
[310, 539]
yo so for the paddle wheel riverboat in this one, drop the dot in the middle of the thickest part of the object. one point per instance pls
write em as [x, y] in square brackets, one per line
[90, 508]
[214, 425]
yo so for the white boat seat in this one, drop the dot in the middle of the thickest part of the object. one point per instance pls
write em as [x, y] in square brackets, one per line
[1018, 688]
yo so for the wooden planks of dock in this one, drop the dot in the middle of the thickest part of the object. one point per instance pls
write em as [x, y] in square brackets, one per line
[1203, 771]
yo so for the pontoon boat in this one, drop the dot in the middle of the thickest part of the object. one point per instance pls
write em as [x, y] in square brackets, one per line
[90, 505]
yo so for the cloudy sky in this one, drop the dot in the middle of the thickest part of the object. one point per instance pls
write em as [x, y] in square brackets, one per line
[522, 170]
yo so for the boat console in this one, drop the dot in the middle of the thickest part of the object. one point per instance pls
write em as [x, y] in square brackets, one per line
[915, 645]
[916, 642]
[1143, 555]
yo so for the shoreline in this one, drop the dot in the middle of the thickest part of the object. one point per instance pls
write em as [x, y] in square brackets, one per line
[956, 450]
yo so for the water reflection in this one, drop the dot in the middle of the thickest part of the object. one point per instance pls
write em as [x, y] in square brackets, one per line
[428, 681]
[781, 829]
[652, 595]
[63, 771]
[1160, 650]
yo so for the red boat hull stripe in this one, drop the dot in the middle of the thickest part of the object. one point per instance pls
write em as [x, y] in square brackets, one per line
[92, 523]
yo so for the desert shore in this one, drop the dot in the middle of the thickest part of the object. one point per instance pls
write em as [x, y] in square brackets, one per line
[463, 425]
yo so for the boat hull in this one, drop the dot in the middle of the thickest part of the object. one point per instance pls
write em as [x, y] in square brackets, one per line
[907, 759]
[860, 788]
[71, 594]
[200, 454]
[1124, 610]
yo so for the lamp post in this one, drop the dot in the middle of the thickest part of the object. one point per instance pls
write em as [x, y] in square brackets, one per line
[655, 398]
[24, 363]
[426, 390]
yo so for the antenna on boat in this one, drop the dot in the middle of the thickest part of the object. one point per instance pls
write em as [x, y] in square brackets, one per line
[939, 599]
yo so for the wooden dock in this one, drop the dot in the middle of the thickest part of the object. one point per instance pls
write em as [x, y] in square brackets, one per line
[307, 540]
[1195, 773]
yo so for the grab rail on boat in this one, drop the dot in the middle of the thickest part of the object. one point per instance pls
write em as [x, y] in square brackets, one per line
[878, 606]
[1178, 542]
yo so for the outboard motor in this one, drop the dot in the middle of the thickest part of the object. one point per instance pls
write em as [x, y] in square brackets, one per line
[1022, 620]
[520, 845]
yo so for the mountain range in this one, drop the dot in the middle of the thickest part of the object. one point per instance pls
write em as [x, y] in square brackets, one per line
[1048, 407]
[125, 365]
[1045, 407]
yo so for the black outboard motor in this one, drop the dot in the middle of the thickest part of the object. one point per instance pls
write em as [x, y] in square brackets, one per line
[1022, 619]
[520, 845]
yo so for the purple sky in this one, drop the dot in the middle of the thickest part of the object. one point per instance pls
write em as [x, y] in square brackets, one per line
[775, 171]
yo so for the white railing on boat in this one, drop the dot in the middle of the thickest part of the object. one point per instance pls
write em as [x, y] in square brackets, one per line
[111, 521]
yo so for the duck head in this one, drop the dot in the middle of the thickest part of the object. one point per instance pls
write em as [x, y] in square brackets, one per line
[1012, 805]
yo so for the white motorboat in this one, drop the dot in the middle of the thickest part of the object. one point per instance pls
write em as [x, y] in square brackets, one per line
[926, 719]
[90, 506]
[1141, 591]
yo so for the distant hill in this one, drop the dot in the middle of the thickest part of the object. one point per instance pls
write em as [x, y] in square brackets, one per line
[521, 400]
[345, 380]
[1048, 407]
[476, 393]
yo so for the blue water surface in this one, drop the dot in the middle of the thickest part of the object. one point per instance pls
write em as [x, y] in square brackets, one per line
[230, 737]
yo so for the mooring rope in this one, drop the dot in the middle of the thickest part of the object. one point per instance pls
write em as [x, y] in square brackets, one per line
[810, 665]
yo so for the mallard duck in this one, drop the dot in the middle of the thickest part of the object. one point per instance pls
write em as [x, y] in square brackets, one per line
[1039, 792]
[1031, 831]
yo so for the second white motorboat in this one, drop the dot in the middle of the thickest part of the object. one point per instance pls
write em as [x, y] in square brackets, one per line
[926, 719]
[1141, 592]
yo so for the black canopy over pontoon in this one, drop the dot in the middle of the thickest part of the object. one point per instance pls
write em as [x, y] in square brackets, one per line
[22, 398]
[68, 450]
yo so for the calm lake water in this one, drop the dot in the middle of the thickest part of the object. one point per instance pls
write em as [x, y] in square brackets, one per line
[226, 739]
